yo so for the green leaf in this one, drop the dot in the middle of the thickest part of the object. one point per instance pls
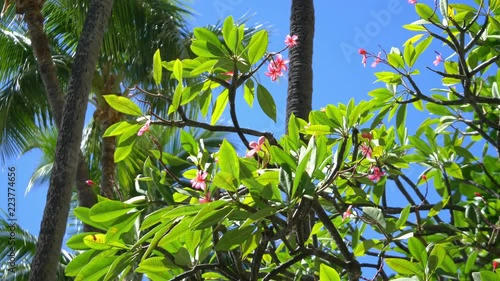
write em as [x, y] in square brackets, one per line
[225, 181]
[420, 48]
[108, 210]
[206, 49]
[154, 264]
[249, 92]
[188, 143]
[119, 265]
[388, 77]
[327, 273]
[95, 269]
[125, 145]
[177, 71]
[438, 207]
[436, 257]
[403, 217]
[83, 214]
[121, 128]
[409, 54]
[228, 159]
[299, 173]
[76, 241]
[257, 46]
[489, 276]
[207, 66]
[234, 238]
[211, 219]
[227, 27]
[170, 159]
[437, 109]
[417, 249]
[364, 246]
[426, 12]
[157, 68]
[120, 226]
[220, 105]
[400, 122]
[403, 266]
[176, 100]
[175, 232]
[266, 102]
[396, 60]
[205, 34]
[471, 262]
[454, 170]
[98, 242]
[251, 244]
[375, 214]
[123, 105]
[420, 145]
[283, 159]
[79, 261]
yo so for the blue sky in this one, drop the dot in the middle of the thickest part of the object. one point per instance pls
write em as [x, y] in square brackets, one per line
[338, 73]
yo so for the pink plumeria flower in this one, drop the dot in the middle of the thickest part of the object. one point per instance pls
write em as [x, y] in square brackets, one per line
[438, 59]
[279, 63]
[366, 150]
[365, 56]
[144, 128]
[377, 60]
[205, 199]
[273, 72]
[412, 1]
[199, 181]
[376, 175]
[495, 265]
[291, 41]
[348, 213]
[256, 146]
[89, 182]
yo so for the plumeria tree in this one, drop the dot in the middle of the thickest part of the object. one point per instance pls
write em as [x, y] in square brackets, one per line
[319, 202]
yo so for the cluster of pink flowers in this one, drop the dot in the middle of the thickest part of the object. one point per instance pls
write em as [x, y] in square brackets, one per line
[438, 59]
[291, 41]
[366, 149]
[144, 128]
[256, 146]
[376, 174]
[277, 65]
[412, 1]
[364, 55]
[348, 213]
[199, 181]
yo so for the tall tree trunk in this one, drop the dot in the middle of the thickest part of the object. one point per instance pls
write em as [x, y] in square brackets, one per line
[48, 72]
[300, 77]
[53, 227]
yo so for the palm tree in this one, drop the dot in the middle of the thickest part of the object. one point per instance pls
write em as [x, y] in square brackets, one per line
[40, 42]
[300, 75]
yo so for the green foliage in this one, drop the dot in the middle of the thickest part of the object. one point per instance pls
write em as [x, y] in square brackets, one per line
[324, 194]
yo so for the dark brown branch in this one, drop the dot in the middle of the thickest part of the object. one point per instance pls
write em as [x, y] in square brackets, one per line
[284, 266]
[352, 265]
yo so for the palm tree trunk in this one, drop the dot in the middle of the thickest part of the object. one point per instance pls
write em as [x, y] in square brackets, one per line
[108, 147]
[45, 261]
[40, 44]
[300, 77]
